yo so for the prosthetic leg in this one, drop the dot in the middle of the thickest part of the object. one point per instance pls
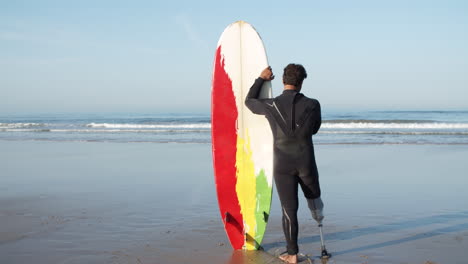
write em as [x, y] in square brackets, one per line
[316, 208]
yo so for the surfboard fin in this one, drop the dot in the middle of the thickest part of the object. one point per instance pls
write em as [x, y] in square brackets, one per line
[265, 216]
[227, 217]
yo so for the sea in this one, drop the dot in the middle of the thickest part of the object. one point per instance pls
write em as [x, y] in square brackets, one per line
[338, 127]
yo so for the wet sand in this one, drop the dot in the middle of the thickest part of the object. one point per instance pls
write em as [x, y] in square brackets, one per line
[76, 202]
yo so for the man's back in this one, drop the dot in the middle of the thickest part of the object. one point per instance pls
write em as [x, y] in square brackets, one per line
[293, 118]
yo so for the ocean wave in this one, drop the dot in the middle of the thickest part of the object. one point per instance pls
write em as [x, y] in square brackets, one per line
[21, 125]
[415, 133]
[24, 130]
[328, 124]
[151, 126]
[399, 125]
[388, 125]
[99, 131]
[187, 131]
[404, 121]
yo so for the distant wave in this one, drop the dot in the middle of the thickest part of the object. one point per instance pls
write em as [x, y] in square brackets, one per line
[329, 124]
[394, 125]
[409, 133]
[151, 126]
[21, 125]
[184, 131]
[404, 121]
[206, 126]
[108, 130]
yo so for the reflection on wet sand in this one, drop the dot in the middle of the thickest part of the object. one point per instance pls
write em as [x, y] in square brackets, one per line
[262, 257]
[253, 257]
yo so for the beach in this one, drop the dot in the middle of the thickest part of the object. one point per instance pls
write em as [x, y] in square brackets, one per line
[101, 202]
[110, 110]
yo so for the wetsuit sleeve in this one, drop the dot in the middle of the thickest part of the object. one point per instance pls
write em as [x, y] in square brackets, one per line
[252, 102]
[317, 118]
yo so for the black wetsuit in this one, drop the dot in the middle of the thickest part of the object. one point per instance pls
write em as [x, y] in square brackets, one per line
[293, 119]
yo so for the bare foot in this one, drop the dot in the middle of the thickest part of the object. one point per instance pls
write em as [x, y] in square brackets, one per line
[289, 258]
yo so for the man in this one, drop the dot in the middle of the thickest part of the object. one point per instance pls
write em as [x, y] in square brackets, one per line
[293, 119]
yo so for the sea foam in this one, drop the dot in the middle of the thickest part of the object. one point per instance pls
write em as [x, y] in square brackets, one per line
[368, 125]
[150, 126]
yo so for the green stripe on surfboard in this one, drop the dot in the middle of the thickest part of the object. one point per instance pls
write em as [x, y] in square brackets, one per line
[263, 205]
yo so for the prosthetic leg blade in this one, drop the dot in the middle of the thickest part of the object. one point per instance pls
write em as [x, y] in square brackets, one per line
[324, 254]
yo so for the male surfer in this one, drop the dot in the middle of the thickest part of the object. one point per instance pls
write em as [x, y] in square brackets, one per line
[293, 119]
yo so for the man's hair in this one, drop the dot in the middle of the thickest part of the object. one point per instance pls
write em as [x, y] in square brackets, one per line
[294, 74]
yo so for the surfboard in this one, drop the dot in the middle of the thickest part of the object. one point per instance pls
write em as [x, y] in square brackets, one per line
[242, 143]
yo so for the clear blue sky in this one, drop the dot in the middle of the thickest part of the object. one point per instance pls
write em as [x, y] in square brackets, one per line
[70, 56]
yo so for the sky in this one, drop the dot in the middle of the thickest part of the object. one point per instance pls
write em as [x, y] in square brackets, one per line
[157, 56]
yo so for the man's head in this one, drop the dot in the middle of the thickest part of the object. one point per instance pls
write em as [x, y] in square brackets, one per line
[294, 74]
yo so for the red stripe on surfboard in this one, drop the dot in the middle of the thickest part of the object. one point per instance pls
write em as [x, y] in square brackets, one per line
[224, 138]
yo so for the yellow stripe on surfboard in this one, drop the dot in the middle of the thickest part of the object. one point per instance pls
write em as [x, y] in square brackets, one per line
[246, 190]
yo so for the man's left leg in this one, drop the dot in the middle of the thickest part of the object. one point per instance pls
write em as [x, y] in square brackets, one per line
[311, 188]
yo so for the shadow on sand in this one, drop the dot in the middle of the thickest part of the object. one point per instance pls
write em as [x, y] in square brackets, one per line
[354, 233]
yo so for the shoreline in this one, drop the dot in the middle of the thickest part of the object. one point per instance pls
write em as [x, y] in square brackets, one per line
[209, 143]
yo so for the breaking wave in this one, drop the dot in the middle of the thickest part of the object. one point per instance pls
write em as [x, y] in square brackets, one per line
[150, 126]
[374, 124]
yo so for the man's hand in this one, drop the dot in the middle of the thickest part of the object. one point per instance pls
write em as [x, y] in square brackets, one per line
[267, 74]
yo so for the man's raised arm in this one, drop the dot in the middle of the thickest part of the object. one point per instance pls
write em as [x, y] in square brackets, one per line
[251, 101]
